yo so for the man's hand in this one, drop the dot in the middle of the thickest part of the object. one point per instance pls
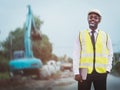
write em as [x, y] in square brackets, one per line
[78, 77]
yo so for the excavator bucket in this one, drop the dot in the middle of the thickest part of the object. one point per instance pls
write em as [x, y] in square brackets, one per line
[36, 35]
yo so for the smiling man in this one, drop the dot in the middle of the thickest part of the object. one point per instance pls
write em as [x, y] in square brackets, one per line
[92, 52]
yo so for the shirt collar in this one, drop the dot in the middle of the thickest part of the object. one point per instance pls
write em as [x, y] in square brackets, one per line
[96, 31]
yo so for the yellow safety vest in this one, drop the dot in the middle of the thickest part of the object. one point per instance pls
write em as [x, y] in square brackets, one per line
[101, 52]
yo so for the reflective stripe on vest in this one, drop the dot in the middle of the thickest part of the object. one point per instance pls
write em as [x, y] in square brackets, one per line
[101, 56]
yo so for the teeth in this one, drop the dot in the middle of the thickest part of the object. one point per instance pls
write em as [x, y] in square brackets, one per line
[91, 24]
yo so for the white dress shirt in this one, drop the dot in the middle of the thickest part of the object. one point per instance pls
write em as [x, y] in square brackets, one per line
[77, 49]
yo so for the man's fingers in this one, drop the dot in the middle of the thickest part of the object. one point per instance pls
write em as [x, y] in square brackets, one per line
[81, 81]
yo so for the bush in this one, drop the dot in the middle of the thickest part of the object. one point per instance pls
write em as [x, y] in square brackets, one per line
[116, 69]
[3, 64]
[4, 75]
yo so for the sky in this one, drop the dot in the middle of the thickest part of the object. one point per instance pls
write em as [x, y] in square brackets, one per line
[63, 19]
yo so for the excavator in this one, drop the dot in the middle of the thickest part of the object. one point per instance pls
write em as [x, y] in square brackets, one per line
[23, 62]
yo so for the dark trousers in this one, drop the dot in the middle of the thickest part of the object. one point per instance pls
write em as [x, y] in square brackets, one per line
[98, 80]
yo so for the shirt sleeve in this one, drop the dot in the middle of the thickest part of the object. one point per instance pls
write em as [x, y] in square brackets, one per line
[76, 55]
[110, 55]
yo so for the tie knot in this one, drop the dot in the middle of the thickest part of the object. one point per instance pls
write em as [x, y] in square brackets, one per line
[92, 31]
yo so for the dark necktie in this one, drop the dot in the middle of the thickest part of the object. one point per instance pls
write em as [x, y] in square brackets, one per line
[93, 42]
[93, 39]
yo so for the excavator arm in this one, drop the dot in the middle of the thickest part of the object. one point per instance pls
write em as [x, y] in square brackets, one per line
[31, 32]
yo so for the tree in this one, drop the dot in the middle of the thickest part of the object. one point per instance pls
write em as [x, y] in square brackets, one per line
[43, 49]
[116, 64]
[13, 42]
[54, 57]
[38, 22]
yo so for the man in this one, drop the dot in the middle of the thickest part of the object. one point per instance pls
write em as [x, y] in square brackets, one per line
[92, 51]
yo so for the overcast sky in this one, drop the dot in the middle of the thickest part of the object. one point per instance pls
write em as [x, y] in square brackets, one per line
[63, 19]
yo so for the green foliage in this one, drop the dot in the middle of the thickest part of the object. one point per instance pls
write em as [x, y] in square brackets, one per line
[14, 41]
[18, 39]
[4, 75]
[116, 65]
[3, 64]
[70, 60]
[54, 57]
[116, 57]
[116, 69]
[38, 22]
[43, 49]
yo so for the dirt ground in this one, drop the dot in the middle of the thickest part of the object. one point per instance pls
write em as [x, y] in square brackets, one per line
[59, 79]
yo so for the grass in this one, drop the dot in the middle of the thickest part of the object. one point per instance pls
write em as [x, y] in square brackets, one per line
[4, 76]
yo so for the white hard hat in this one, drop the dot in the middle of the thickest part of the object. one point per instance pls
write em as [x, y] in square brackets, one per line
[95, 11]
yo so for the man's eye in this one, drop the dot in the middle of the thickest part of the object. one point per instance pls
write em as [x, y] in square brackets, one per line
[95, 17]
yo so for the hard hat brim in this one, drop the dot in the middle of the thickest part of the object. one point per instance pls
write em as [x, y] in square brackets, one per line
[95, 11]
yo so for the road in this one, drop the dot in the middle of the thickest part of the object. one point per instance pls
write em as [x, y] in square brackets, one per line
[113, 83]
[64, 81]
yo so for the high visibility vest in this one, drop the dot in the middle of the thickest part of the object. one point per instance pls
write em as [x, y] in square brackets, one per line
[101, 52]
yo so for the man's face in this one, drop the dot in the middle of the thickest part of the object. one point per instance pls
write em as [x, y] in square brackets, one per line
[93, 20]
